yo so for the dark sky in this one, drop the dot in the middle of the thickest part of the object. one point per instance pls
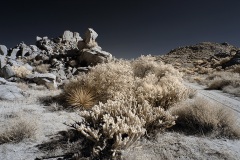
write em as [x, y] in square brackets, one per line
[126, 29]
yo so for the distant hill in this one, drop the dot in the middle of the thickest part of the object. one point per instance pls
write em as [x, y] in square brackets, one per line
[207, 53]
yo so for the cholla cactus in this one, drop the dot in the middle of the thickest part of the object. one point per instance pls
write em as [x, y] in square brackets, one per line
[119, 124]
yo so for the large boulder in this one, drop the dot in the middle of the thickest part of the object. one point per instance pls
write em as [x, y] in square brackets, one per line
[90, 36]
[10, 92]
[2, 61]
[47, 79]
[71, 36]
[67, 36]
[76, 37]
[3, 50]
[14, 52]
[7, 72]
[94, 56]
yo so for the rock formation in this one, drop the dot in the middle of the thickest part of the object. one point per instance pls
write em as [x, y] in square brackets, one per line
[91, 53]
[51, 62]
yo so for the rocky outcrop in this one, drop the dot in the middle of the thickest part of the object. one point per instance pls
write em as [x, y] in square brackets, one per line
[61, 58]
[202, 57]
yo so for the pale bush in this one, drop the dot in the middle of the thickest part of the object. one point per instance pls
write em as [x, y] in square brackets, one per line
[203, 117]
[21, 71]
[109, 79]
[145, 65]
[42, 68]
[116, 125]
[160, 92]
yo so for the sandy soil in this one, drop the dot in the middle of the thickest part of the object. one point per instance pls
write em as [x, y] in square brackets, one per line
[48, 122]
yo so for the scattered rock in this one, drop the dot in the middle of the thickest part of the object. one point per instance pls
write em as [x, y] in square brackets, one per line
[7, 72]
[10, 92]
[14, 53]
[2, 61]
[47, 79]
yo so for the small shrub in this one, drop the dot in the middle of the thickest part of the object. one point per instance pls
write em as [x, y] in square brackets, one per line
[162, 92]
[21, 71]
[42, 68]
[218, 83]
[17, 129]
[232, 90]
[227, 81]
[145, 65]
[203, 117]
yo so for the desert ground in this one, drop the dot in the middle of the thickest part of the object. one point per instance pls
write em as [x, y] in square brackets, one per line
[47, 120]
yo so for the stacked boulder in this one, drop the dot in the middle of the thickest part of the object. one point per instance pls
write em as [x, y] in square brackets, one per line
[91, 53]
[52, 62]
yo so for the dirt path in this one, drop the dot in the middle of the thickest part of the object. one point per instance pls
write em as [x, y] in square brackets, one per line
[224, 99]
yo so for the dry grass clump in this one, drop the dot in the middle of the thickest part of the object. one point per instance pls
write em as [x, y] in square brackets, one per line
[205, 118]
[21, 71]
[78, 95]
[17, 129]
[42, 68]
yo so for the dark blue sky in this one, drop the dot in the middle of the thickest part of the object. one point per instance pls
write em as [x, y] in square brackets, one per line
[127, 29]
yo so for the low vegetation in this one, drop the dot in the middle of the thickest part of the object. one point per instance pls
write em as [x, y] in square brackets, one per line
[204, 118]
[18, 129]
[132, 100]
